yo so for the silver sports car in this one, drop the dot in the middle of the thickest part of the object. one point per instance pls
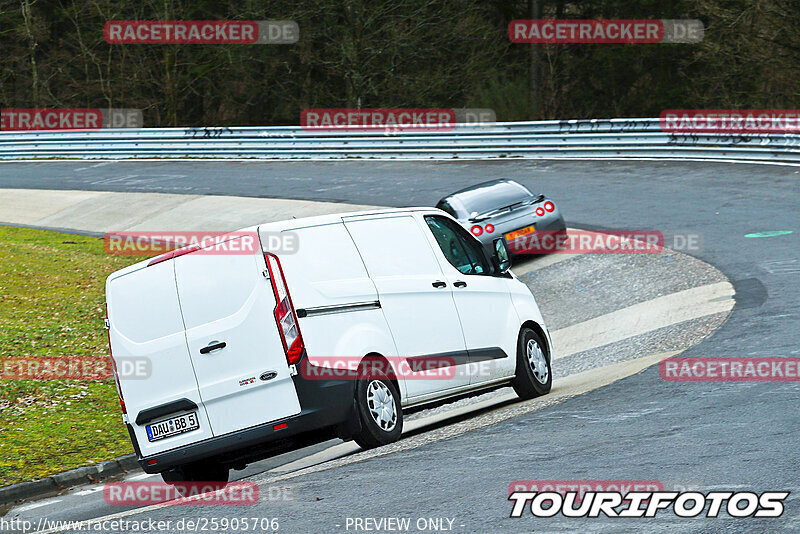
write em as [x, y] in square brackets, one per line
[503, 208]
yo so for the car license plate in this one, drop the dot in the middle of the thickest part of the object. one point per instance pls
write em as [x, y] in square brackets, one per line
[172, 426]
[511, 236]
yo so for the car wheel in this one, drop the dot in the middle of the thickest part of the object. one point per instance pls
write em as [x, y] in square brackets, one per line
[533, 377]
[378, 404]
[198, 472]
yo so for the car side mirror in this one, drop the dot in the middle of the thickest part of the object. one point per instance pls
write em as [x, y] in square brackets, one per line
[502, 258]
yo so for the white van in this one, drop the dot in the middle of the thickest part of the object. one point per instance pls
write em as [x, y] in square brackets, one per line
[227, 337]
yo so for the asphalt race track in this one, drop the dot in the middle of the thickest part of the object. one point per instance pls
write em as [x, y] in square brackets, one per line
[737, 436]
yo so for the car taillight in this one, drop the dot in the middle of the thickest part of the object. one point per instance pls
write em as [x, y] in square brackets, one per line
[549, 206]
[539, 212]
[476, 230]
[285, 315]
[114, 367]
[489, 228]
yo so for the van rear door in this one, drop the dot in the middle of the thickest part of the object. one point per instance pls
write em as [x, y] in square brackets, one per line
[145, 324]
[233, 339]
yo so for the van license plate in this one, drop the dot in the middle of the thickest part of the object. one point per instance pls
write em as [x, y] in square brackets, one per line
[172, 426]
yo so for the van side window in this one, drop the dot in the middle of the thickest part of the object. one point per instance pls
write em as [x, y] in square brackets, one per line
[461, 250]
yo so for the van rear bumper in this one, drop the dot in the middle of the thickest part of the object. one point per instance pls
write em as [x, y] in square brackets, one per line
[324, 404]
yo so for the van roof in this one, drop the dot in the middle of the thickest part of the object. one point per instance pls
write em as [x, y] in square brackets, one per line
[288, 224]
[334, 217]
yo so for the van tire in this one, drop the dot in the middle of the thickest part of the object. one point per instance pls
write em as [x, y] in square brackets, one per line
[372, 389]
[197, 472]
[534, 377]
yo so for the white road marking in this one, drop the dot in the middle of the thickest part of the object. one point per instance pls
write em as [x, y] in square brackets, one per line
[89, 491]
[36, 505]
[642, 318]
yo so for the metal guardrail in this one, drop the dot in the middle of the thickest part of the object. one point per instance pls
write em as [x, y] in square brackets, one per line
[596, 138]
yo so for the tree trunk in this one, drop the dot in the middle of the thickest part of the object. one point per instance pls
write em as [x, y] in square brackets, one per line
[26, 15]
[536, 86]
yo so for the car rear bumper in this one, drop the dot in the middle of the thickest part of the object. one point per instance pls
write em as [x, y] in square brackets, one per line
[553, 223]
[324, 404]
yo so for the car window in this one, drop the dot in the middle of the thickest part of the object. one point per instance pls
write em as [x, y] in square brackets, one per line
[492, 197]
[463, 252]
[447, 208]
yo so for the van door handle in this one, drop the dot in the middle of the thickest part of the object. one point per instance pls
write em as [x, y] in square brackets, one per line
[214, 345]
[460, 283]
[439, 283]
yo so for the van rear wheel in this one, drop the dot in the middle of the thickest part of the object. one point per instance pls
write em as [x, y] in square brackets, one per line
[378, 405]
[198, 472]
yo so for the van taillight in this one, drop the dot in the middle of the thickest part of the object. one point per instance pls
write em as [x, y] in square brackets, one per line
[285, 315]
[114, 367]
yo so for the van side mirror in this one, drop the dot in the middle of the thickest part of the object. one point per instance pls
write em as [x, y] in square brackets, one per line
[502, 259]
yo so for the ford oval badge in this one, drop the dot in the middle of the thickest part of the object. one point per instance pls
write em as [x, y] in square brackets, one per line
[269, 375]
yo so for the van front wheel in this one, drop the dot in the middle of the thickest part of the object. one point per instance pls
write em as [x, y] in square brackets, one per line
[378, 404]
[534, 376]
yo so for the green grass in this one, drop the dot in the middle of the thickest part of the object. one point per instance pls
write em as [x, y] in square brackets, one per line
[52, 304]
